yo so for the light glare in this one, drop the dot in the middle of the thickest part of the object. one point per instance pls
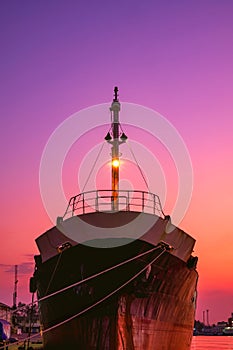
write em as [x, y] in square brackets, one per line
[115, 163]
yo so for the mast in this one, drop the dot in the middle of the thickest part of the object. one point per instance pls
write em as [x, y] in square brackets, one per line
[15, 288]
[115, 109]
[207, 317]
[115, 140]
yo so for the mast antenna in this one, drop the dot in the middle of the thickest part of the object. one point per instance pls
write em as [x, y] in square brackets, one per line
[115, 94]
[15, 288]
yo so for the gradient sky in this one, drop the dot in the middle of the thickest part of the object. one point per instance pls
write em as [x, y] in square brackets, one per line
[58, 57]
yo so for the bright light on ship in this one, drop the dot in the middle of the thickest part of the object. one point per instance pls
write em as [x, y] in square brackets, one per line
[115, 163]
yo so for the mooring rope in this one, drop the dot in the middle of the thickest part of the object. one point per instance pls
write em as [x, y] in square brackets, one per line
[89, 278]
[96, 303]
[106, 296]
[54, 272]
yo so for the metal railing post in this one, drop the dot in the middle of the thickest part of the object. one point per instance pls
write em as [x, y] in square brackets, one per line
[128, 205]
[154, 204]
[97, 201]
[83, 204]
[73, 207]
[143, 201]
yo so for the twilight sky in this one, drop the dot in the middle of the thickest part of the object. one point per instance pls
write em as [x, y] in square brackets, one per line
[175, 57]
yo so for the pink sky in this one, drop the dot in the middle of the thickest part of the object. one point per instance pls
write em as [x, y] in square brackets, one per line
[59, 57]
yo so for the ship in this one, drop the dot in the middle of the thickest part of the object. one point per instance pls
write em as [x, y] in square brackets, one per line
[115, 273]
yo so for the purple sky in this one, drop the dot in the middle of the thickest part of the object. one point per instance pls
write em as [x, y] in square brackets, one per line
[58, 57]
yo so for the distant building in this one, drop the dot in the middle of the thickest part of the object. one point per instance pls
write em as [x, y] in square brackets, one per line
[222, 324]
[5, 312]
[35, 327]
[230, 320]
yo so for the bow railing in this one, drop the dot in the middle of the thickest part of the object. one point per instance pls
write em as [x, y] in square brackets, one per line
[103, 201]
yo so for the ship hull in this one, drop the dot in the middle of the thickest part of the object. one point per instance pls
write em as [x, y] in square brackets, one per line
[147, 303]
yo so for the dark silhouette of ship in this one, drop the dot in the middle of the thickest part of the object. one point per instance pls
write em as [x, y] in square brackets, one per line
[114, 273]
